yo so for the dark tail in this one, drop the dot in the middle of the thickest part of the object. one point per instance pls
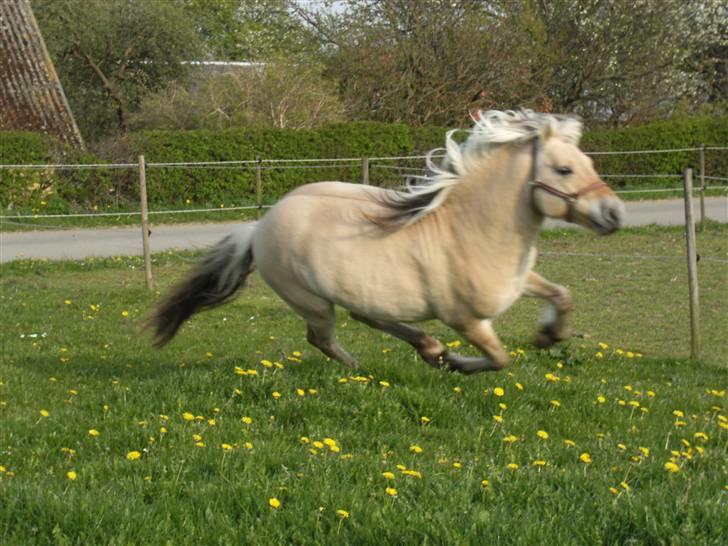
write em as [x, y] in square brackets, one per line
[212, 282]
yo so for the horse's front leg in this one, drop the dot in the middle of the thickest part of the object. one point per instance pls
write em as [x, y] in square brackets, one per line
[481, 334]
[554, 322]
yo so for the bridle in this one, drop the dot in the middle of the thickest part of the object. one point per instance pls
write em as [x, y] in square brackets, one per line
[569, 198]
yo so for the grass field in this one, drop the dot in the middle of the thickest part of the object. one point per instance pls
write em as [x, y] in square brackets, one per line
[240, 433]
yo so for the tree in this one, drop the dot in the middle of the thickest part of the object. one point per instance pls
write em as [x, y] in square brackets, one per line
[274, 94]
[110, 53]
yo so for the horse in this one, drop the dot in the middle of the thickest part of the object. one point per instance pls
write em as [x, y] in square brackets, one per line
[458, 245]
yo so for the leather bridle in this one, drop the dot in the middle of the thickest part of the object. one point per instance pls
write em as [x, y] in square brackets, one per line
[569, 198]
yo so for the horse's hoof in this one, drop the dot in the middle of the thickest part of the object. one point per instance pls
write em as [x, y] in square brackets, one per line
[546, 337]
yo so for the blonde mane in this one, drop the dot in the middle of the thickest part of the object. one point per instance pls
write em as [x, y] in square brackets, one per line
[492, 129]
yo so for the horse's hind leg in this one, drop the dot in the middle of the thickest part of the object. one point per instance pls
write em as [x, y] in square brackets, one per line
[320, 318]
[481, 334]
[428, 347]
[554, 324]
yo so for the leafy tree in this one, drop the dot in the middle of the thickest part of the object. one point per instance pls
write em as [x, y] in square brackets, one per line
[109, 53]
[274, 94]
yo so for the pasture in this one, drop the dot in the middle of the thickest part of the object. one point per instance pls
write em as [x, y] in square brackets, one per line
[239, 432]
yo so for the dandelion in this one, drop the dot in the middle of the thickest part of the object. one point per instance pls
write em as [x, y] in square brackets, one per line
[300, 392]
[391, 491]
[246, 420]
[133, 456]
[497, 418]
[678, 413]
[555, 403]
[485, 483]
[701, 436]
[415, 449]
[457, 390]
[625, 486]
[187, 416]
[44, 413]
[412, 473]
[248, 445]
[71, 475]
[343, 514]
[274, 503]
[622, 447]
[499, 391]
[585, 458]
[125, 314]
[614, 490]
[543, 434]
[603, 346]
[93, 433]
[519, 386]
[552, 378]
[510, 439]
[385, 384]
[671, 467]
[539, 463]
[424, 419]
[67, 302]
[388, 475]
[512, 466]
[599, 354]
[226, 447]
[570, 443]
[457, 465]
[276, 395]
[305, 440]
[601, 399]
[645, 451]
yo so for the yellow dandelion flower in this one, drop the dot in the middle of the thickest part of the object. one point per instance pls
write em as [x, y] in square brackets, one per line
[625, 486]
[552, 378]
[680, 423]
[503, 406]
[671, 467]
[497, 418]
[499, 391]
[200, 444]
[415, 449]
[510, 439]
[512, 466]
[318, 445]
[248, 445]
[197, 437]
[305, 440]
[570, 443]
[125, 314]
[246, 420]
[678, 413]
[585, 458]
[424, 419]
[622, 447]
[603, 346]
[44, 413]
[388, 475]
[485, 483]
[599, 354]
[457, 465]
[539, 462]
[457, 390]
[274, 503]
[555, 403]
[187, 416]
[266, 363]
[226, 447]
[391, 491]
[614, 490]
[519, 386]
[385, 384]
[71, 475]
[701, 436]
[645, 451]
[133, 456]
[276, 395]
[93, 433]
[412, 473]
[343, 514]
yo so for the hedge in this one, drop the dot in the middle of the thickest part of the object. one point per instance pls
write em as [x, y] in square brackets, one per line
[236, 185]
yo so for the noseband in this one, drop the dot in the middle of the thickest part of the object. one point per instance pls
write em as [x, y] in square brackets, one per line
[569, 198]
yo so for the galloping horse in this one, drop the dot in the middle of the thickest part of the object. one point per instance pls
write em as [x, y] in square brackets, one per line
[458, 245]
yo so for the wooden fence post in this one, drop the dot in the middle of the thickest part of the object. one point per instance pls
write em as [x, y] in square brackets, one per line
[692, 265]
[365, 171]
[258, 188]
[702, 187]
[145, 222]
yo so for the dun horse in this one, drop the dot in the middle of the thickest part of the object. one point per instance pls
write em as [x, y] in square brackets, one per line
[458, 245]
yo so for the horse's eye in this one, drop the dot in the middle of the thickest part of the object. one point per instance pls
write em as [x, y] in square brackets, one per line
[563, 171]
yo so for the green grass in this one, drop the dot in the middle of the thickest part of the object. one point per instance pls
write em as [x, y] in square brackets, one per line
[70, 346]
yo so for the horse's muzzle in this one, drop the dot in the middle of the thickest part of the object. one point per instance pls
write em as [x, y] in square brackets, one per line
[608, 216]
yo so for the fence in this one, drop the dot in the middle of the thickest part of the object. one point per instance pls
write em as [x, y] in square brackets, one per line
[381, 171]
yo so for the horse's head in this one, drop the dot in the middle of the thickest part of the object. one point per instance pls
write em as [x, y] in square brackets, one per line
[564, 185]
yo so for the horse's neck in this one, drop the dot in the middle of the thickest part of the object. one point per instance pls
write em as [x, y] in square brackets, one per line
[494, 200]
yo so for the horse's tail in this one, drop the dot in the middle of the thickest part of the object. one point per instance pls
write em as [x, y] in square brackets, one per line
[214, 281]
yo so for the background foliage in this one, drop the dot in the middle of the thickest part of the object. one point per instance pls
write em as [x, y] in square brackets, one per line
[236, 185]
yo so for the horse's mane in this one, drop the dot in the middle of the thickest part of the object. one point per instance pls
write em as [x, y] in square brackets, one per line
[492, 129]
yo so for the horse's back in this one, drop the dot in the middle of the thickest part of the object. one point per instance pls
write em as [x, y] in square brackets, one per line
[320, 238]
